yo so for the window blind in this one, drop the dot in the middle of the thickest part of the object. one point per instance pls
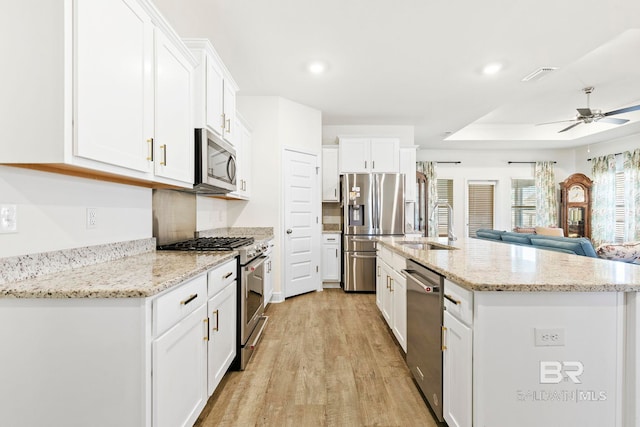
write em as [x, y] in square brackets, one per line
[480, 207]
[445, 192]
[620, 216]
[523, 203]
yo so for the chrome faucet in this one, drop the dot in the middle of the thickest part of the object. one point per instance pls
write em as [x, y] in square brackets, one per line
[443, 203]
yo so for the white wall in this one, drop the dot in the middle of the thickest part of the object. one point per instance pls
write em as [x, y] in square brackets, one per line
[211, 213]
[493, 166]
[276, 123]
[52, 211]
[330, 133]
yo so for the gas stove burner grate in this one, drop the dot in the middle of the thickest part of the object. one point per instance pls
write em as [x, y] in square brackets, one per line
[209, 244]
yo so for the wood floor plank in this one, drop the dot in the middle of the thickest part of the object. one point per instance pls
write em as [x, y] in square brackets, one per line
[326, 359]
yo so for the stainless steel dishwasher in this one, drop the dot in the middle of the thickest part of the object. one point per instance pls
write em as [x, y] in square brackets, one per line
[424, 332]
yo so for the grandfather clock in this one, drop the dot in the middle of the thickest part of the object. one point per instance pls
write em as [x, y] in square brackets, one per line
[575, 201]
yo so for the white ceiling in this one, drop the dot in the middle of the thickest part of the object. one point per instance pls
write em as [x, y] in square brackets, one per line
[418, 62]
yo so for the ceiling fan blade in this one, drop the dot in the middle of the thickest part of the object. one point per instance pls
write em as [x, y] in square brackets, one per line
[623, 110]
[551, 123]
[613, 120]
[586, 112]
[567, 128]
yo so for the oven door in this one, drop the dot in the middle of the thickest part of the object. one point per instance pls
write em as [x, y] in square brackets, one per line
[252, 306]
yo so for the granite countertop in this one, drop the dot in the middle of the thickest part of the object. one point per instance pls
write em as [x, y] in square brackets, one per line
[142, 275]
[482, 265]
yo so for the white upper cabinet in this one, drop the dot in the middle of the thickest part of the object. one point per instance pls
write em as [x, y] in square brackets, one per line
[174, 133]
[114, 83]
[369, 155]
[330, 174]
[215, 92]
[408, 168]
[243, 161]
[118, 99]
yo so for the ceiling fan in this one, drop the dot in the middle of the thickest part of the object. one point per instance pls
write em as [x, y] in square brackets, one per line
[589, 115]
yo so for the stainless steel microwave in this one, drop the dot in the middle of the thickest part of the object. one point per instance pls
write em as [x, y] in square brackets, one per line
[215, 168]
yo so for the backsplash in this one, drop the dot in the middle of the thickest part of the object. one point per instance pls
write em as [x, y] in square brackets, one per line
[257, 232]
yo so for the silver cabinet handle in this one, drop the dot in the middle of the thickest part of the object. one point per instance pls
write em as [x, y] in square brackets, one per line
[373, 164]
[335, 192]
[365, 164]
[336, 253]
[289, 231]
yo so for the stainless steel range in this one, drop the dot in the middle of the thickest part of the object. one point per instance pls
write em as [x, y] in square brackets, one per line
[174, 221]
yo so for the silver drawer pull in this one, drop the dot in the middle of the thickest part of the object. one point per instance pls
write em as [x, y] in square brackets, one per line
[226, 276]
[188, 300]
[450, 298]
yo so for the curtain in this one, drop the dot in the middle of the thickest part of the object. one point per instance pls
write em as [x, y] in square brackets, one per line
[429, 170]
[632, 195]
[546, 195]
[603, 196]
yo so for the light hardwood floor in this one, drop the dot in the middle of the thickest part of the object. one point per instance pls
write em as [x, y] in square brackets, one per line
[325, 359]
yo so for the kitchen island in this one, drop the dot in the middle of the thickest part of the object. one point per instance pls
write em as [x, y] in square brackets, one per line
[550, 338]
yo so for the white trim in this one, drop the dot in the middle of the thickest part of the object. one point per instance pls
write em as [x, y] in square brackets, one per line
[331, 285]
[276, 298]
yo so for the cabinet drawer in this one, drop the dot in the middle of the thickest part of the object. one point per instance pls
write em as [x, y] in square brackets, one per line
[173, 306]
[395, 261]
[221, 276]
[331, 238]
[458, 302]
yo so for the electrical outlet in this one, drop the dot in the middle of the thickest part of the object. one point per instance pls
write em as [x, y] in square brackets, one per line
[549, 337]
[8, 219]
[92, 218]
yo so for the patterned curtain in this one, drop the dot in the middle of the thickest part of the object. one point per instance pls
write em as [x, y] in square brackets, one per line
[603, 196]
[546, 195]
[429, 170]
[632, 195]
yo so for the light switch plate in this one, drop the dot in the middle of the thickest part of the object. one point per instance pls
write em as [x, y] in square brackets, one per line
[8, 219]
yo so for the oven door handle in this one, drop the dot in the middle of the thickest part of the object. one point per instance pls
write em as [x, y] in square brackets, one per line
[253, 265]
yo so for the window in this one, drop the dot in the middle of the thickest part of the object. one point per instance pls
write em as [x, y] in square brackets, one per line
[480, 206]
[620, 216]
[445, 193]
[523, 203]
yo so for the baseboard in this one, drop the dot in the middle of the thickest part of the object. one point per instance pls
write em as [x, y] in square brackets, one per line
[276, 297]
[331, 285]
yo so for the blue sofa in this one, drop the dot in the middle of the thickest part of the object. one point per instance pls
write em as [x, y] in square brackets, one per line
[570, 245]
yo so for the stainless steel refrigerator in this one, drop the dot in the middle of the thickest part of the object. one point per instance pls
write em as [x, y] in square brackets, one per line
[372, 205]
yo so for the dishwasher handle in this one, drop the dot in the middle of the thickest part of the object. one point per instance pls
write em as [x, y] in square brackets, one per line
[426, 287]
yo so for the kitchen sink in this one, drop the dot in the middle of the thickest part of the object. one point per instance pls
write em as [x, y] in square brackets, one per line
[424, 246]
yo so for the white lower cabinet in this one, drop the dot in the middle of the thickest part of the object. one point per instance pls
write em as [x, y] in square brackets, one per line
[222, 334]
[457, 372]
[391, 294]
[331, 257]
[179, 376]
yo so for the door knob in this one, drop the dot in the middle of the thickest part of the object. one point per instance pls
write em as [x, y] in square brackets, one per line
[289, 231]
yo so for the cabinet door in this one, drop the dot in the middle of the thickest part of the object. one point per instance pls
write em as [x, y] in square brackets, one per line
[387, 303]
[457, 373]
[214, 96]
[385, 155]
[354, 155]
[399, 297]
[179, 378]
[380, 283]
[331, 262]
[246, 162]
[222, 334]
[229, 103]
[408, 168]
[330, 174]
[268, 280]
[113, 83]
[174, 146]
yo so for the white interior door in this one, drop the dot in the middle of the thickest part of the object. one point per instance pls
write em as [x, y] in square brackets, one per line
[301, 223]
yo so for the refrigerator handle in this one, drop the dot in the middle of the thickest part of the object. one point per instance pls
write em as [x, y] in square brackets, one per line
[377, 203]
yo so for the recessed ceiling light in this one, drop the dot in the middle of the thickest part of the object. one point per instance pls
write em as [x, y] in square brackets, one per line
[317, 67]
[492, 68]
